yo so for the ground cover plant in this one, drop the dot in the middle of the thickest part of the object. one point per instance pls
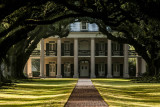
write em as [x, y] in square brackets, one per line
[37, 92]
[126, 93]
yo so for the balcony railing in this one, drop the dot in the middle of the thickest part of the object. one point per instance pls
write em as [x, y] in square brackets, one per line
[84, 52]
[35, 53]
[117, 53]
[67, 53]
[50, 52]
[132, 53]
[101, 53]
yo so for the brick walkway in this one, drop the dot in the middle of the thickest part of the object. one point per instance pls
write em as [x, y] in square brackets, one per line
[85, 95]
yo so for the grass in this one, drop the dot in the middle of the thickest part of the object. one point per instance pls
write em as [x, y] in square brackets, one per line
[125, 93]
[37, 92]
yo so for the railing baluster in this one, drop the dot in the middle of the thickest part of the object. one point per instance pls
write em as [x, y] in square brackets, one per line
[84, 52]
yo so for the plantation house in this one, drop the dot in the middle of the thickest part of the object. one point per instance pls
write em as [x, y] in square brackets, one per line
[85, 53]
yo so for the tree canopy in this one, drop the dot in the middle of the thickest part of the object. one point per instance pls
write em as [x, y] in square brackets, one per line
[135, 21]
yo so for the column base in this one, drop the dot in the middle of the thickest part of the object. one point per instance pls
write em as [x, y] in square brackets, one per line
[126, 76]
[41, 76]
[75, 76]
[136, 74]
[58, 76]
[93, 76]
[109, 76]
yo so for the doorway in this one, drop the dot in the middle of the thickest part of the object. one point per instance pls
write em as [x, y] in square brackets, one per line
[84, 69]
[52, 69]
[116, 70]
[67, 70]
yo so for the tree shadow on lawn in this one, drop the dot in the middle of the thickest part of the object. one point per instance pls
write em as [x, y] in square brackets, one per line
[38, 93]
[124, 92]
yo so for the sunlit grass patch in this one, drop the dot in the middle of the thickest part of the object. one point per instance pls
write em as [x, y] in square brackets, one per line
[37, 92]
[125, 93]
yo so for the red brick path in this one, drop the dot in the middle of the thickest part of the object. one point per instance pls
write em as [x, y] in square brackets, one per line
[85, 95]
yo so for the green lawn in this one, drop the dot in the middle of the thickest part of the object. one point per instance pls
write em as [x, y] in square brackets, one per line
[124, 93]
[39, 92]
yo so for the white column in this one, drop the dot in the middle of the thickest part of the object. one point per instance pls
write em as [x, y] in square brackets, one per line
[126, 68]
[109, 60]
[25, 69]
[42, 59]
[137, 67]
[143, 66]
[93, 58]
[29, 67]
[75, 58]
[59, 58]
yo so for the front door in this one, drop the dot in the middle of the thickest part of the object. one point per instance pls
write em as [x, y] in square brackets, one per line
[101, 69]
[84, 69]
[67, 70]
[52, 69]
[116, 70]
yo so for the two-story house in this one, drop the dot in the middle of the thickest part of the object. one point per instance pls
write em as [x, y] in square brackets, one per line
[85, 53]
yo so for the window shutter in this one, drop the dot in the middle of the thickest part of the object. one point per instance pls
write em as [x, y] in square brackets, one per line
[96, 70]
[97, 49]
[121, 70]
[112, 70]
[72, 70]
[79, 68]
[71, 49]
[62, 70]
[112, 48]
[106, 49]
[112, 45]
[121, 49]
[62, 49]
[47, 49]
[56, 49]
[47, 70]
[106, 70]
[56, 69]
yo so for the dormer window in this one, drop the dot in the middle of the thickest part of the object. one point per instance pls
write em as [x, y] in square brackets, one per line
[84, 26]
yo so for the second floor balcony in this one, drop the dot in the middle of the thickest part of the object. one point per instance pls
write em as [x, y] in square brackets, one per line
[83, 53]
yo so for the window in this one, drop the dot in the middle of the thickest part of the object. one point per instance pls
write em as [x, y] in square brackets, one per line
[116, 46]
[116, 67]
[67, 67]
[66, 45]
[84, 26]
[35, 67]
[85, 67]
[35, 64]
[52, 67]
[102, 46]
[101, 67]
[66, 48]
[52, 45]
